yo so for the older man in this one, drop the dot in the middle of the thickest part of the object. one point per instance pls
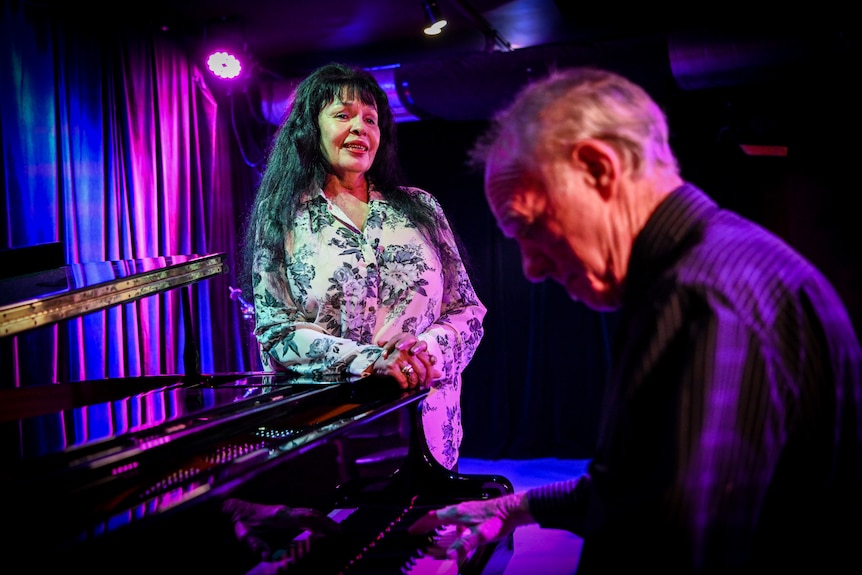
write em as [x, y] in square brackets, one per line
[731, 437]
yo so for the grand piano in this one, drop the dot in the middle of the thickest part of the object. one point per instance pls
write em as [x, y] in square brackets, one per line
[148, 496]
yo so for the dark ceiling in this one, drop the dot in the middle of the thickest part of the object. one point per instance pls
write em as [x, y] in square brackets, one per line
[493, 47]
[288, 35]
[293, 36]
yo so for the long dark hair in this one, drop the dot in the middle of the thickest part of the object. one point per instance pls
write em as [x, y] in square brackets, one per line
[296, 165]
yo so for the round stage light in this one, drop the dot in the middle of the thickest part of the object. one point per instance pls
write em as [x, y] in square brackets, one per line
[224, 65]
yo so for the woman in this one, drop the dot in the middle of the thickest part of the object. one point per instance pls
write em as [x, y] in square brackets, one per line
[352, 273]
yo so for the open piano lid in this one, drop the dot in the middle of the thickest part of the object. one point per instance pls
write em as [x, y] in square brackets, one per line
[46, 297]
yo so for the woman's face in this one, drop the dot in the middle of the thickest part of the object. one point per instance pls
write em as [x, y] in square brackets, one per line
[349, 135]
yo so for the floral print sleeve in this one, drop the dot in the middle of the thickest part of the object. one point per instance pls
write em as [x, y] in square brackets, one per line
[290, 342]
[455, 333]
[341, 291]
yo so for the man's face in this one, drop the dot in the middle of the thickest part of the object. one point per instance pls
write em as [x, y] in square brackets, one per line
[559, 222]
[349, 135]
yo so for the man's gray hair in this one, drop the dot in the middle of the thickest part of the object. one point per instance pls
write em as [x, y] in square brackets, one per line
[550, 115]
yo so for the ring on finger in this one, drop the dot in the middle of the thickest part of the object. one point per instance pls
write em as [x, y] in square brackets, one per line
[408, 370]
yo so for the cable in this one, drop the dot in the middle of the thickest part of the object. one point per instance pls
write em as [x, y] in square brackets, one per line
[245, 158]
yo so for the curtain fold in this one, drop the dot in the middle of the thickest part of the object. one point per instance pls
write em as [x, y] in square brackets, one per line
[110, 142]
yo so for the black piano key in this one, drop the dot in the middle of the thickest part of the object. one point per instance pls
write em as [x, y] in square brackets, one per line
[374, 540]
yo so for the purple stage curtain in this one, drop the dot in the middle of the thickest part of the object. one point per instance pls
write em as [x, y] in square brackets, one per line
[111, 144]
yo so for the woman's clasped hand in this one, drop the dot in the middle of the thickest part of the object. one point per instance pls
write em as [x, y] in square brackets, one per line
[405, 357]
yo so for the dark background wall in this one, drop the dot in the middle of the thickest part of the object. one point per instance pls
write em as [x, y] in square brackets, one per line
[534, 384]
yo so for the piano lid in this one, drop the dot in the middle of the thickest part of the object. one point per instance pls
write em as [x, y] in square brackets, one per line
[46, 297]
[107, 462]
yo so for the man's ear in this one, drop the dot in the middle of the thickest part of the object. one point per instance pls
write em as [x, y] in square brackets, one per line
[600, 161]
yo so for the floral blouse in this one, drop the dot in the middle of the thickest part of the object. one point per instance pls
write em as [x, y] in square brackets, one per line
[348, 289]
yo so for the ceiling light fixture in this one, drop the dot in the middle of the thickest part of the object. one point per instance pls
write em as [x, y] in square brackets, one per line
[434, 20]
[492, 36]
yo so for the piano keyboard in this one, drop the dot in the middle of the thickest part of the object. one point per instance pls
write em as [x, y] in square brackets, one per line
[364, 548]
[429, 564]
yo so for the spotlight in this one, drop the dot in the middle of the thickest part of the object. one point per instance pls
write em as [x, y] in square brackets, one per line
[224, 65]
[225, 52]
[434, 20]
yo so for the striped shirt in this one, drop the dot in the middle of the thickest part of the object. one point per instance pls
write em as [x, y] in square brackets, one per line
[731, 438]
